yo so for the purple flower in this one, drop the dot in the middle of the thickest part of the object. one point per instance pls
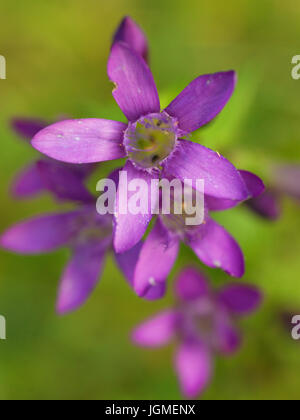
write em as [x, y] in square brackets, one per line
[204, 324]
[47, 174]
[284, 182]
[86, 233]
[211, 243]
[154, 140]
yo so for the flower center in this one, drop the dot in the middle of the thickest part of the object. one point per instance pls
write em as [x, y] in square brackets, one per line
[151, 139]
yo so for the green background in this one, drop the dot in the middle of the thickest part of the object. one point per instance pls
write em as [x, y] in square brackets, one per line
[56, 54]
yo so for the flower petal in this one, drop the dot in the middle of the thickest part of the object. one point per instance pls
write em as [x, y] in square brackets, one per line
[240, 299]
[191, 284]
[253, 183]
[191, 161]
[127, 263]
[27, 127]
[193, 363]
[157, 331]
[157, 257]
[129, 227]
[217, 249]
[135, 90]
[228, 338]
[255, 187]
[202, 100]
[80, 277]
[64, 183]
[130, 33]
[41, 234]
[82, 141]
[266, 205]
[28, 182]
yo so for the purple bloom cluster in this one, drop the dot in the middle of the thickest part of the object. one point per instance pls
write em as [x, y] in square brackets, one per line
[156, 145]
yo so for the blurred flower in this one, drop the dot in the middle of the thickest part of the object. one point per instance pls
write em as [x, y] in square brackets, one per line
[285, 181]
[47, 174]
[153, 140]
[211, 243]
[86, 233]
[204, 323]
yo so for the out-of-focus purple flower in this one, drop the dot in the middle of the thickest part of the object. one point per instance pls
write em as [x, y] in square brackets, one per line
[47, 174]
[211, 243]
[131, 33]
[204, 324]
[153, 141]
[285, 181]
[87, 234]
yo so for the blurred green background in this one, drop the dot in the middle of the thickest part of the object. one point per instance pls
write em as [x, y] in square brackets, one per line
[56, 56]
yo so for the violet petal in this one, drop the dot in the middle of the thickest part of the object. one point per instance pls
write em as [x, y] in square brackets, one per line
[27, 127]
[127, 263]
[28, 182]
[41, 234]
[130, 228]
[157, 331]
[82, 141]
[191, 161]
[217, 249]
[193, 363]
[131, 33]
[135, 90]
[80, 277]
[240, 298]
[202, 100]
[191, 284]
[157, 257]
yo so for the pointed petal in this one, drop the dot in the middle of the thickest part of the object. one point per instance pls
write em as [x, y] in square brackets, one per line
[266, 205]
[191, 284]
[241, 298]
[217, 249]
[157, 331]
[193, 363]
[160, 247]
[41, 234]
[135, 90]
[80, 277]
[130, 33]
[64, 183]
[202, 100]
[191, 161]
[82, 141]
[129, 227]
[27, 127]
[28, 182]
[127, 263]
[254, 185]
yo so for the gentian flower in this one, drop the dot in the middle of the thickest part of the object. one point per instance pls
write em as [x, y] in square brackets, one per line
[154, 141]
[203, 322]
[47, 174]
[86, 233]
[211, 243]
[284, 182]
